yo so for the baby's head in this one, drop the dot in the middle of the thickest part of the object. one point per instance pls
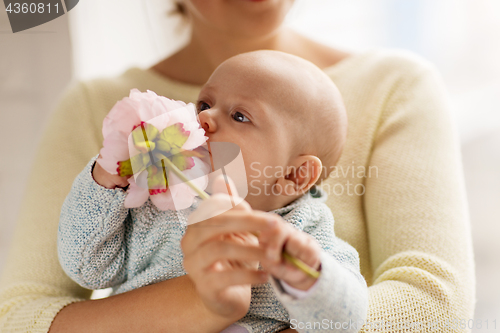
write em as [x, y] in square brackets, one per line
[286, 116]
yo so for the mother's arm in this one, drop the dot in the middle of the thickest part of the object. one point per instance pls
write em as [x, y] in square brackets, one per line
[169, 306]
[34, 288]
[416, 213]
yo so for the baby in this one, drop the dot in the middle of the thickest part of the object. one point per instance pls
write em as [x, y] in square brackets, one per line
[289, 121]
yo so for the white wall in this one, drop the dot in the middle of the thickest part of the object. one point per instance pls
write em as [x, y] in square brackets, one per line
[112, 35]
[35, 66]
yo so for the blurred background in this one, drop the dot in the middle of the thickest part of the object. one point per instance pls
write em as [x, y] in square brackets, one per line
[104, 37]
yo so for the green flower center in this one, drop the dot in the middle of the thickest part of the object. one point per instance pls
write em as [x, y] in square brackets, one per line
[154, 146]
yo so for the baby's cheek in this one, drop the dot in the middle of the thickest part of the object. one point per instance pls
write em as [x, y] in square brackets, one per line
[261, 187]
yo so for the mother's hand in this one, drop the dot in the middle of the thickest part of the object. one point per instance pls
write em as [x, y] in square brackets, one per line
[219, 251]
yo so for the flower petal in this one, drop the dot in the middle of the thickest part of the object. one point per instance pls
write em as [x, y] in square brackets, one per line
[172, 138]
[108, 165]
[196, 137]
[115, 149]
[133, 165]
[187, 117]
[161, 121]
[137, 95]
[122, 117]
[173, 112]
[143, 137]
[171, 104]
[156, 178]
[136, 195]
[183, 196]
[163, 201]
[198, 173]
[184, 115]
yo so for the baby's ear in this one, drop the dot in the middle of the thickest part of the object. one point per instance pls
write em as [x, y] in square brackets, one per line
[300, 176]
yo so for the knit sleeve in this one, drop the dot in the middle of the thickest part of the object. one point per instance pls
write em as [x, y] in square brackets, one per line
[92, 228]
[338, 301]
[33, 287]
[415, 211]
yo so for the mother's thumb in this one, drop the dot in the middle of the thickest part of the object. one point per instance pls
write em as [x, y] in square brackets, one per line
[221, 186]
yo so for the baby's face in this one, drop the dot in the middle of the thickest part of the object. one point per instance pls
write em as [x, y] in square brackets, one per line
[247, 109]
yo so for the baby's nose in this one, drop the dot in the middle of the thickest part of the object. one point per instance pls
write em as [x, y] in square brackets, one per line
[207, 121]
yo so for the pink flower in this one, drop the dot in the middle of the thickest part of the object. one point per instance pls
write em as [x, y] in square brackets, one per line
[140, 132]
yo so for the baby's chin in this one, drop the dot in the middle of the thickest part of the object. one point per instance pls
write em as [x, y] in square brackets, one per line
[268, 201]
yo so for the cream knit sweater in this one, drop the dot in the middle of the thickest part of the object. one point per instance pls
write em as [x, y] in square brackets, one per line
[397, 195]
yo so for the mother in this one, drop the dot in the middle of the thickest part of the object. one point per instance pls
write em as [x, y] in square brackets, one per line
[397, 195]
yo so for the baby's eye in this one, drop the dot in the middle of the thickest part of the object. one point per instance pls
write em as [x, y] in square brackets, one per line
[203, 106]
[239, 117]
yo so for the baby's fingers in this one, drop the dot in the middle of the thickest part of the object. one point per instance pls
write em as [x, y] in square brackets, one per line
[302, 246]
[273, 239]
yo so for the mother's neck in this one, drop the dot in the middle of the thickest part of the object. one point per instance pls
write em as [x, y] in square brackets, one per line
[194, 63]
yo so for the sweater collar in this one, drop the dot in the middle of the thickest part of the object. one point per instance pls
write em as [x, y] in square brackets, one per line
[315, 193]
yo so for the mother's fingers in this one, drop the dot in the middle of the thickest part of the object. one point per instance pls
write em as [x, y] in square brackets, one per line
[221, 280]
[223, 184]
[216, 205]
[229, 222]
[210, 253]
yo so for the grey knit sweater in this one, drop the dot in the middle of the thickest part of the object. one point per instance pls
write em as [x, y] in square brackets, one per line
[102, 244]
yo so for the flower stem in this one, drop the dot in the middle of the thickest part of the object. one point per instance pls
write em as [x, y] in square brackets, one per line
[301, 265]
[171, 166]
[204, 195]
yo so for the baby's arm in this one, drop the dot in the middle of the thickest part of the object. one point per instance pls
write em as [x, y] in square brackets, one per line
[339, 297]
[338, 300]
[92, 227]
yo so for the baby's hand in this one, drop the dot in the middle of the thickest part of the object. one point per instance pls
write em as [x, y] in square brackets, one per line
[284, 237]
[106, 179]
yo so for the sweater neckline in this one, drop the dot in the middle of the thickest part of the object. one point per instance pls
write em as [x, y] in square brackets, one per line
[155, 77]
[315, 193]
